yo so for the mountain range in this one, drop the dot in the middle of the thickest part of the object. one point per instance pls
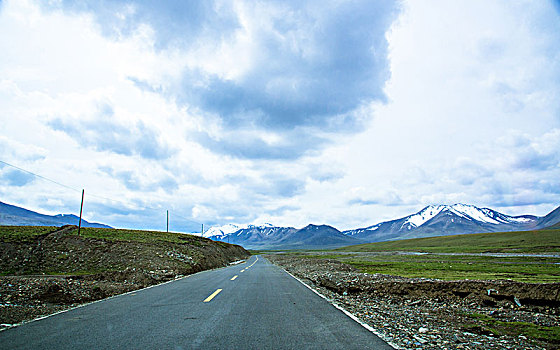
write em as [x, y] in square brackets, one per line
[434, 220]
[16, 216]
[268, 236]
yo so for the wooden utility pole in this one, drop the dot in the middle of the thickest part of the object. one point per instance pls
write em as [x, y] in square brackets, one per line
[168, 221]
[81, 209]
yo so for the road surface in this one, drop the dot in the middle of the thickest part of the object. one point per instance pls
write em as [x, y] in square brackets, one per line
[254, 305]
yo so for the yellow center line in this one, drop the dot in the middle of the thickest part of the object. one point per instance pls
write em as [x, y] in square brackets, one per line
[212, 295]
[245, 269]
[233, 278]
[254, 261]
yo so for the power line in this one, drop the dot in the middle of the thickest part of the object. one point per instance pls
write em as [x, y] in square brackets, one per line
[39, 176]
[94, 195]
[184, 218]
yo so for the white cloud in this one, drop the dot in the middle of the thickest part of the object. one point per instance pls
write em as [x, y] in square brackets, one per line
[460, 81]
[280, 112]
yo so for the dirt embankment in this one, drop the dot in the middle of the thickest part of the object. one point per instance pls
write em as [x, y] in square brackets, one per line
[433, 314]
[59, 270]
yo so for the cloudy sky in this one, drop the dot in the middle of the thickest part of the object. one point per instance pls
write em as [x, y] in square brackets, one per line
[345, 113]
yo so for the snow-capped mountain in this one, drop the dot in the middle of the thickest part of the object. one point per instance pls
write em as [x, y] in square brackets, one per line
[218, 232]
[445, 220]
[271, 237]
[433, 220]
[484, 215]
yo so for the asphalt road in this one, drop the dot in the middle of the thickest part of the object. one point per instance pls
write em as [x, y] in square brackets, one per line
[254, 305]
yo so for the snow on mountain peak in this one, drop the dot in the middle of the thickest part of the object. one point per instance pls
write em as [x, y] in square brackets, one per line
[472, 212]
[469, 212]
[424, 215]
[466, 211]
[221, 231]
[224, 230]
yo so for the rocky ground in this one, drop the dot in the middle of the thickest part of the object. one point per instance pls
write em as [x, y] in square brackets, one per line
[91, 269]
[433, 314]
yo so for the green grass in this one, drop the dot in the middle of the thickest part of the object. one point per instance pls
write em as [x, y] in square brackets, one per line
[439, 257]
[24, 233]
[259, 251]
[450, 267]
[460, 266]
[31, 233]
[454, 270]
[383, 258]
[110, 234]
[328, 256]
[502, 242]
[487, 324]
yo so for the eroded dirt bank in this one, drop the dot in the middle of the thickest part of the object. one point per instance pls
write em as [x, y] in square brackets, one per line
[88, 269]
[433, 314]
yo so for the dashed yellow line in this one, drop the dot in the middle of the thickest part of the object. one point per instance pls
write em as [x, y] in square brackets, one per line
[245, 269]
[212, 295]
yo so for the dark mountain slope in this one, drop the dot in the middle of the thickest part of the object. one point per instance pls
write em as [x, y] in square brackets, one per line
[551, 219]
[11, 215]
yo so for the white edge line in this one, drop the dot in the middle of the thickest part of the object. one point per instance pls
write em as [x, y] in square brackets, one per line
[347, 313]
[111, 297]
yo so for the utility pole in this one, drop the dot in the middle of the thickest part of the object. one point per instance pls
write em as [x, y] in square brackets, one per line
[81, 209]
[202, 231]
[168, 221]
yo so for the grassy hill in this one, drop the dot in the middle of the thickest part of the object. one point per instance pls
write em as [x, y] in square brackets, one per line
[541, 241]
[53, 250]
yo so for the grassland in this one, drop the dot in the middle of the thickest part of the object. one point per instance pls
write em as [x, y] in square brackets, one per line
[459, 257]
[31, 233]
[138, 235]
[24, 233]
[541, 241]
[454, 267]
[445, 270]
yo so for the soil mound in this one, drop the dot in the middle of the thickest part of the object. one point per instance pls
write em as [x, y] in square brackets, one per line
[53, 271]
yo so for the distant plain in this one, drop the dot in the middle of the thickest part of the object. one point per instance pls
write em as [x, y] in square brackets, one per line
[528, 256]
